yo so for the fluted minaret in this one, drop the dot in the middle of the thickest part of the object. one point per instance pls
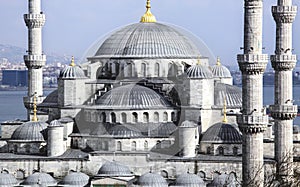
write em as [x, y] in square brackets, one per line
[35, 59]
[252, 122]
[283, 110]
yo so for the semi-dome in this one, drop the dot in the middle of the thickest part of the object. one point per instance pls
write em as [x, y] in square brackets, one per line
[153, 180]
[125, 131]
[189, 180]
[39, 178]
[114, 169]
[199, 72]
[222, 133]
[148, 40]
[76, 179]
[132, 96]
[7, 180]
[232, 94]
[30, 131]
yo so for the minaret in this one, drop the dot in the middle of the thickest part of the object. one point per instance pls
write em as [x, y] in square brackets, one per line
[35, 59]
[252, 121]
[283, 110]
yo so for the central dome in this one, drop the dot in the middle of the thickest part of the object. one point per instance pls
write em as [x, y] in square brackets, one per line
[148, 40]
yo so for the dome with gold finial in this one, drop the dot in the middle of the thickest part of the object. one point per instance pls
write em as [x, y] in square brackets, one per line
[220, 71]
[199, 71]
[72, 72]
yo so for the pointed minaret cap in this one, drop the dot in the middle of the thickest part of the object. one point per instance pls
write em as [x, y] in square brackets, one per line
[34, 118]
[224, 112]
[218, 61]
[72, 62]
[148, 17]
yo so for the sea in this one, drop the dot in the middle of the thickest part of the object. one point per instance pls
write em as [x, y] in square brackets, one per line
[12, 107]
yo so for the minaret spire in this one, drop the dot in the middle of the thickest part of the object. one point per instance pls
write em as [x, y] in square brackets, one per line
[218, 61]
[72, 62]
[34, 118]
[148, 17]
[224, 112]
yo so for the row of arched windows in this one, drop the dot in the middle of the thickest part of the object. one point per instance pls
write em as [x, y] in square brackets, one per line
[133, 146]
[220, 150]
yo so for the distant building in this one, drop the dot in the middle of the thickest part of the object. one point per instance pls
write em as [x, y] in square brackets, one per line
[15, 77]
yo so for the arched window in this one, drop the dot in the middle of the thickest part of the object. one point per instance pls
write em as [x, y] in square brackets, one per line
[235, 151]
[202, 174]
[103, 117]
[119, 146]
[171, 70]
[144, 70]
[156, 117]
[208, 150]
[158, 144]
[123, 118]
[146, 117]
[129, 70]
[15, 148]
[173, 117]
[146, 145]
[134, 117]
[221, 150]
[113, 117]
[27, 149]
[164, 174]
[133, 70]
[133, 146]
[165, 117]
[156, 70]
[20, 174]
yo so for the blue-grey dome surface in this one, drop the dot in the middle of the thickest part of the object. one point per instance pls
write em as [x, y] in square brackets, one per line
[148, 40]
[199, 72]
[222, 133]
[114, 169]
[39, 178]
[76, 179]
[189, 180]
[30, 131]
[7, 180]
[232, 94]
[125, 131]
[132, 96]
[153, 180]
[72, 72]
[220, 71]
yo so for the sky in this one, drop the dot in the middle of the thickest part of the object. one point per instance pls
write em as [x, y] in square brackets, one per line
[72, 26]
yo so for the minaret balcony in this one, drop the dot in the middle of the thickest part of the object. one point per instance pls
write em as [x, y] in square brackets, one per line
[284, 112]
[284, 14]
[35, 61]
[283, 62]
[252, 119]
[34, 20]
[253, 63]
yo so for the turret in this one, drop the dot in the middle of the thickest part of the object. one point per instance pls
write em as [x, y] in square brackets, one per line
[55, 141]
[188, 138]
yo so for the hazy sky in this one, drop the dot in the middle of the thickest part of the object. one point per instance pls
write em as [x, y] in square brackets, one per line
[73, 25]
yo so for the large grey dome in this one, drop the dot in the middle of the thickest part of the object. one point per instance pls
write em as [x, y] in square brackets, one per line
[7, 180]
[222, 133]
[153, 180]
[199, 72]
[232, 94]
[220, 71]
[30, 131]
[38, 179]
[132, 96]
[124, 131]
[76, 179]
[114, 169]
[72, 72]
[189, 180]
[148, 40]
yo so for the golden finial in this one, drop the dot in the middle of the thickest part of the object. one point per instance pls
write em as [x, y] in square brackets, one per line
[218, 61]
[34, 118]
[72, 62]
[224, 112]
[199, 61]
[148, 17]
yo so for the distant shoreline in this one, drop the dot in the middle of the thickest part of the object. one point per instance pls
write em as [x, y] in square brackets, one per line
[9, 88]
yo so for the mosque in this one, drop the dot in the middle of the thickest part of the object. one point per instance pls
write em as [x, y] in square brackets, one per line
[149, 107]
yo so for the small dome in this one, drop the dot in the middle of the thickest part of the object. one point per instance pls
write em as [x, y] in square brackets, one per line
[7, 180]
[72, 72]
[114, 169]
[76, 179]
[189, 180]
[232, 94]
[296, 129]
[220, 180]
[124, 131]
[153, 180]
[30, 131]
[55, 123]
[132, 96]
[40, 179]
[220, 71]
[199, 72]
[222, 133]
